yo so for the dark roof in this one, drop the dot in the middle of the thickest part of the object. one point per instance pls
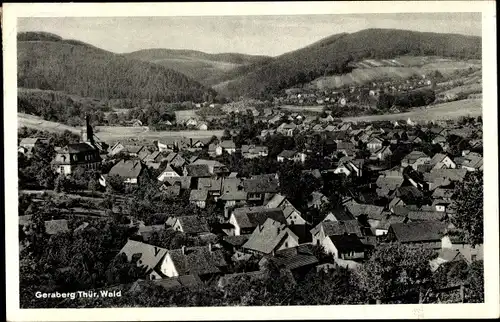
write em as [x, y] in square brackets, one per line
[303, 232]
[79, 147]
[418, 231]
[210, 184]
[198, 260]
[193, 224]
[170, 191]
[261, 185]
[347, 243]
[127, 169]
[198, 170]
[183, 281]
[249, 217]
[341, 227]
[341, 214]
[184, 182]
[425, 215]
[236, 240]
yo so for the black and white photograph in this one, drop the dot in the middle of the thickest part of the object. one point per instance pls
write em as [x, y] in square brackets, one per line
[254, 158]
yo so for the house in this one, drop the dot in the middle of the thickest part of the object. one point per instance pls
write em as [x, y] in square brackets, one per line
[472, 162]
[147, 231]
[218, 149]
[28, 144]
[197, 171]
[270, 237]
[232, 192]
[347, 148]
[414, 159]
[76, 155]
[56, 226]
[443, 177]
[370, 211]
[345, 246]
[149, 257]
[191, 122]
[214, 167]
[445, 255]
[202, 126]
[381, 154]
[420, 215]
[298, 260]
[129, 170]
[175, 160]
[442, 161]
[388, 182]
[245, 219]
[169, 172]
[212, 185]
[191, 225]
[199, 198]
[154, 160]
[410, 195]
[328, 228]
[381, 227]
[288, 155]
[261, 188]
[183, 182]
[316, 200]
[469, 252]
[338, 214]
[348, 167]
[252, 151]
[287, 129]
[426, 233]
[203, 261]
[134, 150]
[169, 144]
[374, 144]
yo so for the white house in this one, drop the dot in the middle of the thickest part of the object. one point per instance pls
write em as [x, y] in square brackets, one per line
[168, 173]
[346, 247]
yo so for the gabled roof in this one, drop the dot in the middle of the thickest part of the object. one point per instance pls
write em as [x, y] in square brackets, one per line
[339, 214]
[425, 215]
[276, 201]
[414, 156]
[438, 157]
[249, 217]
[287, 154]
[341, 227]
[266, 237]
[150, 255]
[210, 184]
[79, 147]
[358, 209]
[183, 181]
[198, 170]
[424, 231]
[261, 184]
[347, 243]
[193, 224]
[198, 195]
[227, 144]
[56, 226]
[127, 169]
[236, 240]
[134, 148]
[199, 260]
[450, 174]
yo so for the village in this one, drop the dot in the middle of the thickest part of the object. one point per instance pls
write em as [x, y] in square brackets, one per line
[307, 193]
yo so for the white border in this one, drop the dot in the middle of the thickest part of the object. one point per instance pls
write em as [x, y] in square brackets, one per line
[488, 309]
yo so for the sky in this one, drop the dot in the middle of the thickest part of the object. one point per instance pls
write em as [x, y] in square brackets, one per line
[258, 35]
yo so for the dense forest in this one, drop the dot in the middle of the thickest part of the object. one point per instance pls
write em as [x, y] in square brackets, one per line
[331, 56]
[49, 63]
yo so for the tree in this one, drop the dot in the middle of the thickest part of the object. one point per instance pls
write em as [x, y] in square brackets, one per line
[469, 207]
[396, 270]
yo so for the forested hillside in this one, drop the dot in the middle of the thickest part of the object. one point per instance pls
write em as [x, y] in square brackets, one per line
[206, 68]
[331, 56]
[47, 62]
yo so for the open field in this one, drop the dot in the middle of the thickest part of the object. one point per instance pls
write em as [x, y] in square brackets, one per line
[36, 122]
[310, 108]
[449, 110]
[110, 134]
[402, 68]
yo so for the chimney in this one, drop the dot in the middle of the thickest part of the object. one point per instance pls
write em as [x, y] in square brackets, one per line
[183, 249]
[210, 247]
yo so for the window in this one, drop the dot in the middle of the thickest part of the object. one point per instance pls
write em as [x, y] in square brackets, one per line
[473, 257]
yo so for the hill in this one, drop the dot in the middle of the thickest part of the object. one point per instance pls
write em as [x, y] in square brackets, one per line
[48, 62]
[333, 56]
[206, 68]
